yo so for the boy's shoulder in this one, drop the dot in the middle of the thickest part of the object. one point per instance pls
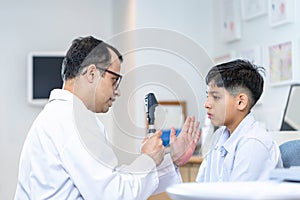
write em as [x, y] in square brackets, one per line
[259, 133]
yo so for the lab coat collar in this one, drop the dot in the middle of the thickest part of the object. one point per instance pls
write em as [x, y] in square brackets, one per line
[60, 94]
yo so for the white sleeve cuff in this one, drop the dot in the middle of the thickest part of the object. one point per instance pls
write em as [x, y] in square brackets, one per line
[168, 174]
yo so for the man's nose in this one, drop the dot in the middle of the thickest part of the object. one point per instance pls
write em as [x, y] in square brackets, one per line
[117, 92]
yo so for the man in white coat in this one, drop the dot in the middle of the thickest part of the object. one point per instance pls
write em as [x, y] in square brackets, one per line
[66, 154]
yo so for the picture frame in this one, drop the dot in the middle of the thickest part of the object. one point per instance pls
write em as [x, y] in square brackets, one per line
[174, 113]
[252, 9]
[283, 63]
[230, 20]
[281, 12]
[170, 114]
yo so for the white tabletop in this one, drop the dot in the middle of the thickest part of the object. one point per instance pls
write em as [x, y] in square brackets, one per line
[235, 190]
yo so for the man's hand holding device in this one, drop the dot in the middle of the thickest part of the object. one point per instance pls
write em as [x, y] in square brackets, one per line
[181, 147]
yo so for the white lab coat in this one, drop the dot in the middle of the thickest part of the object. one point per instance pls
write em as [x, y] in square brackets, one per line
[66, 156]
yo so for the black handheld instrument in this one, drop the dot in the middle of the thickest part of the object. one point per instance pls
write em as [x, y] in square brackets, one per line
[150, 105]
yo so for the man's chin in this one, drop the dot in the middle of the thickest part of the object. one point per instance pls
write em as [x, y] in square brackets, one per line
[110, 102]
[106, 109]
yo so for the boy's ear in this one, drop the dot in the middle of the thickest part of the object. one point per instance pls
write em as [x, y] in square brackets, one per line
[242, 101]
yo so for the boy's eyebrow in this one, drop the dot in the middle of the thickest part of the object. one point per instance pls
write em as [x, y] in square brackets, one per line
[212, 92]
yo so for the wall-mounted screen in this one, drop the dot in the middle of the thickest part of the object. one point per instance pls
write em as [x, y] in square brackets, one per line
[291, 117]
[44, 74]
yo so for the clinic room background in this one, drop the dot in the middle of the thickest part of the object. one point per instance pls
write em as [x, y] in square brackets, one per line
[50, 26]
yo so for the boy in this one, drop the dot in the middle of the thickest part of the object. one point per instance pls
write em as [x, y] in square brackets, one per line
[244, 151]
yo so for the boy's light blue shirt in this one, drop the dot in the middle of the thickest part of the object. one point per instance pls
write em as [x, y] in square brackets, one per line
[249, 154]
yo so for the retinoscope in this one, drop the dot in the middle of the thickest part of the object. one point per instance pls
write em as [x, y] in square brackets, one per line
[150, 105]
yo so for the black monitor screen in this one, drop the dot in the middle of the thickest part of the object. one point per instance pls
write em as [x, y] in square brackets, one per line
[291, 119]
[46, 73]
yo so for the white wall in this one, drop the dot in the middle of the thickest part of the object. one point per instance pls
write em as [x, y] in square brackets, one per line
[185, 34]
[257, 32]
[35, 25]
[192, 18]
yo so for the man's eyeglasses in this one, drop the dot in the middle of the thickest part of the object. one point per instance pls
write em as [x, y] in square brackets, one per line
[118, 76]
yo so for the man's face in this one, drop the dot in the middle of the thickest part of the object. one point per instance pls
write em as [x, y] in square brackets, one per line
[219, 106]
[106, 91]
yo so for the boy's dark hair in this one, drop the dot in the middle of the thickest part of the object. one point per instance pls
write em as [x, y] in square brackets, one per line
[85, 51]
[238, 76]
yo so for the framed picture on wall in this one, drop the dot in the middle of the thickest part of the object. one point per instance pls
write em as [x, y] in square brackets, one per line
[170, 114]
[253, 8]
[230, 20]
[281, 12]
[283, 65]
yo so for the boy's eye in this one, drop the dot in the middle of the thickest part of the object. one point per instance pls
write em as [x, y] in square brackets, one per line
[216, 97]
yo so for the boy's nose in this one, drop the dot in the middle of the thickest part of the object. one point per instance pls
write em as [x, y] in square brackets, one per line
[207, 104]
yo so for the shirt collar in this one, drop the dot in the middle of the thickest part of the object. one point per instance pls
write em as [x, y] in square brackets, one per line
[223, 138]
[228, 142]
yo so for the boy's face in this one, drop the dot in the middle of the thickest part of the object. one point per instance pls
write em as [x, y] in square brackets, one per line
[220, 106]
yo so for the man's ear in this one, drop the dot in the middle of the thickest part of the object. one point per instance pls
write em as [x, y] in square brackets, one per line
[91, 73]
[242, 101]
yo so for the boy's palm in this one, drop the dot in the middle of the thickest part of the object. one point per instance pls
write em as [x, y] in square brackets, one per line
[183, 146]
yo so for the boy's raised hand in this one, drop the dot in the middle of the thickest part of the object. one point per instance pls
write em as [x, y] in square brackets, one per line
[183, 146]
